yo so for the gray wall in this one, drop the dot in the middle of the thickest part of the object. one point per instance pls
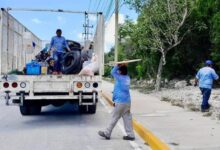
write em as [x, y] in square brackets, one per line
[15, 44]
[99, 42]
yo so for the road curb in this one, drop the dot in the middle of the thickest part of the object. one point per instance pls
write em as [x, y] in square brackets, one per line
[154, 142]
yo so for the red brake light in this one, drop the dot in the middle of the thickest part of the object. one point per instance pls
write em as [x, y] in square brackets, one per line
[14, 84]
[6, 85]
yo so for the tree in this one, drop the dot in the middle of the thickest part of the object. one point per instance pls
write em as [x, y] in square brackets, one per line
[198, 37]
[164, 20]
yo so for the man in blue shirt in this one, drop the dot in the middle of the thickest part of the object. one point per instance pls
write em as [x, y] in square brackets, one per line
[122, 103]
[205, 77]
[58, 44]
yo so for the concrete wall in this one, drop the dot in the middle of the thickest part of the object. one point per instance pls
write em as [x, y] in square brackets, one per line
[15, 44]
[99, 43]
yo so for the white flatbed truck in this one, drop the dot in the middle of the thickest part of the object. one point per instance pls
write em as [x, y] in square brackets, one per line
[31, 92]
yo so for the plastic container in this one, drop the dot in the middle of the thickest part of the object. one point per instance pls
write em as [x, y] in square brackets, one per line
[33, 68]
[44, 67]
[43, 70]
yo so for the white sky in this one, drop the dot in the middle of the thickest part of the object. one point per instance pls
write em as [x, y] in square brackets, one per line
[110, 31]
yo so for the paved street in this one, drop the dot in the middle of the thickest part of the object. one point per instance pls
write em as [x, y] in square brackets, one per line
[65, 129]
[179, 128]
[59, 129]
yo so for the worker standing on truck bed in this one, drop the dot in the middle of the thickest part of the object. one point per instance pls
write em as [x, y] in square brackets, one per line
[57, 45]
[122, 103]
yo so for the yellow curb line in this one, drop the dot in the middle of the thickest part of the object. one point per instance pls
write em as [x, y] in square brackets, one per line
[154, 142]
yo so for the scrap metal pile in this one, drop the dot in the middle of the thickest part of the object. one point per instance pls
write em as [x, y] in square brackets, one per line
[77, 61]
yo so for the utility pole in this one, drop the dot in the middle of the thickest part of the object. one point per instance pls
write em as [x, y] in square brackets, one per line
[86, 28]
[116, 30]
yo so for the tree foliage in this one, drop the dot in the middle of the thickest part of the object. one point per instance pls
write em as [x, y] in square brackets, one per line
[162, 26]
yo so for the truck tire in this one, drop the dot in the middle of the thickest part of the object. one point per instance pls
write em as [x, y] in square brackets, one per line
[70, 61]
[35, 110]
[24, 110]
[30, 110]
[77, 69]
[92, 109]
[82, 109]
[73, 45]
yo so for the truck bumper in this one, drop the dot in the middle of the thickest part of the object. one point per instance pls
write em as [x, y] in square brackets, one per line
[81, 98]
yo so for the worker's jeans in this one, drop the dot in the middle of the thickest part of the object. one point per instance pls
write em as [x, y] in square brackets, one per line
[205, 98]
[58, 57]
[121, 110]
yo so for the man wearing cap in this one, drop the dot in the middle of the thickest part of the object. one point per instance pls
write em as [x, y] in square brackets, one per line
[205, 77]
[58, 44]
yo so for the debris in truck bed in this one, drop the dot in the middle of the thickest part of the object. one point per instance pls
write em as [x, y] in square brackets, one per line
[91, 68]
[16, 72]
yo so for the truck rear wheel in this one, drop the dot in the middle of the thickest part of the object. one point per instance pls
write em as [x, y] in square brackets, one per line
[24, 110]
[92, 109]
[30, 110]
[35, 110]
[89, 109]
[82, 109]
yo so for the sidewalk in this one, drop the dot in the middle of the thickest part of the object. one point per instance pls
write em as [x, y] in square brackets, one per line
[179, 128]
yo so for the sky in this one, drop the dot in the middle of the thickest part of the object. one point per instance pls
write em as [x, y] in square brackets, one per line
[44, 24]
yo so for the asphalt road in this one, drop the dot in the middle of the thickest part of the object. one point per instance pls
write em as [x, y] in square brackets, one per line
[60, 128]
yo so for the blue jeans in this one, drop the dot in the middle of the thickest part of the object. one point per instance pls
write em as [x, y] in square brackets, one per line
[58, 57]
[205, 98]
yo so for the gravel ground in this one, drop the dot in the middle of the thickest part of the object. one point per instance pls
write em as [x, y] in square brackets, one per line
[190, 98]
[178, 94]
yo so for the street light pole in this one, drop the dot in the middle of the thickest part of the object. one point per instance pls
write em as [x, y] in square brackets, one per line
[116, 30]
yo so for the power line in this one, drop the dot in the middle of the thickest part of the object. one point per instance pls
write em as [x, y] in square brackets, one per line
[109, 9]
[103, 4]
[95, 4]
[98, 5]
[89, 5]
[104, 8]
[114, 9]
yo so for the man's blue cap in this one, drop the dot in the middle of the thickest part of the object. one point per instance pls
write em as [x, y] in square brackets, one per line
[208, 62]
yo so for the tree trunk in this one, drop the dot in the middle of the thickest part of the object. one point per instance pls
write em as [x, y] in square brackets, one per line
[159, 73]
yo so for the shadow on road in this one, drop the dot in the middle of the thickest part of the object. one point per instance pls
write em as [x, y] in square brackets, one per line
[66, 109]
[67, 115]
